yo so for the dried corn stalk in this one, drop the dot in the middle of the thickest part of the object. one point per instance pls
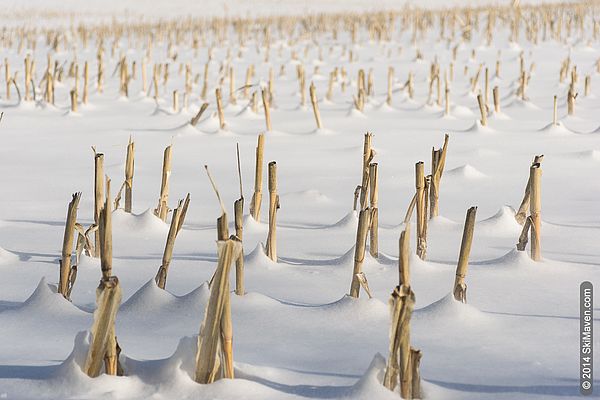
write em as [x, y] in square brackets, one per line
[460, 287]
[103, 346]
[399, 367]
[258, 176]
[421, 206]
[374, 226]
[438, 162]
[208, 358]
[198, 115]
[177, 221]
[359, 249]
[273, 207]
[521, 214]
[162, 209]
[65, 263]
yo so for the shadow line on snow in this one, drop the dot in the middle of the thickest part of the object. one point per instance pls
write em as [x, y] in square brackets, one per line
[310, 391]
[26, 371]
[534, 315]
[546, 390]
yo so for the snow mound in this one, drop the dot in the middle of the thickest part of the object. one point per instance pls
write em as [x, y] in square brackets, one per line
[354, 113]
[211, 123]
[145, 222]
[348, 221]
[461, 111]
[247, 113]
[186, 130]
[478, 128]
[448, 308]
[443, 223]
[7, 257]
[45, 301]
[322, 131]
[466, 172]
[512, 259]
[558, 129]
[258, 258]
[195, 298]
[503, 222]
[385, 107]
[147, 299]
[251, 225]
[370, 385]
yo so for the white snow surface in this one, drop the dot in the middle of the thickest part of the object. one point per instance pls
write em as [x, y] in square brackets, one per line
[297, 335]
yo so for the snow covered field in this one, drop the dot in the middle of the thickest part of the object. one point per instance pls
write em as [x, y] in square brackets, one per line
[297, 334]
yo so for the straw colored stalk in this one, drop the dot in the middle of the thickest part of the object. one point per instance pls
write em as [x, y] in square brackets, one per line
[175, 101]
[73, 96]
[238, 208]
[27, 78]
[163, 202]
[521, 215]
[249, 73]
[129, 168]
[273, 207]
[523, 237]
[415, 373]
[374, 196]
[266, 106]
[356, 195]
[410, 86]
[258, 177]
[100, 73]
[390, 85]
[496, 96]
[271, 85]
[482, 110]
[105, 230]
[587, 85]
[370, 84]
[155, 82]
[103, 346]
[67, 249]
[438, 162]
[555, 111]
[487, 88]
[421, 207]
[98, 196]
[368, 154]
[359, 250]
[198, 115]
[403, 259]
[315, 106]
[399, 368]
[571, 95]
[220, 108]
[204, 83]
[232, 99]
[460, 288]
[302, 84]
[177, 221]
[86, 78]
[332, 78]
[535, 178]
[208, 358]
